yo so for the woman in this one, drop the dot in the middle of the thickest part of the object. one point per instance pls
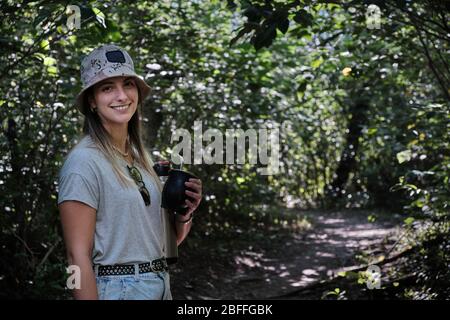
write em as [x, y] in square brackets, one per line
[109, 195]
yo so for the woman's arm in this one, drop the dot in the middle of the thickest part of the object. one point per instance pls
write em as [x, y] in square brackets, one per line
[182, 229]
[78, 223]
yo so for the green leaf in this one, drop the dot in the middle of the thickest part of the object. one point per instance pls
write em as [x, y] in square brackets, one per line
[43, 14]
[283, 25]
[100, 16]
[44, 44]
[316, 63]
[304, 18]
[49, 61]
[302, 86]
[52, 70]
[409, 221]
[253, 14]
[247, 28]
[372, 131]
[404, 156]
[265, 37]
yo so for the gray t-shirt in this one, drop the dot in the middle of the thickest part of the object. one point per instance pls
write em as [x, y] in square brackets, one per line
[126, 230]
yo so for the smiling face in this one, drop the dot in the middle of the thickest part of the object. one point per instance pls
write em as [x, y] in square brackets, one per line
[116, 100]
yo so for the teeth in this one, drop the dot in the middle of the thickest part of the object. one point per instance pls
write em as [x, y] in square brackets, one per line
[121, 107]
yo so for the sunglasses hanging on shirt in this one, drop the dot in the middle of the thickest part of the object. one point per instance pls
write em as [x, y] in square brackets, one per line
[137, 177]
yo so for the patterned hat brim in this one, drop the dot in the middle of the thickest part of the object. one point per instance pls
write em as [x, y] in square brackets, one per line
[144, 88]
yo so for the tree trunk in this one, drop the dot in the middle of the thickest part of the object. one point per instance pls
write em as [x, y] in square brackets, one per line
[358, 117]
[151, 128]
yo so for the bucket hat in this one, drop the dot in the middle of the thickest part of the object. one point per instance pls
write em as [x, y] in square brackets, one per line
[105, 62]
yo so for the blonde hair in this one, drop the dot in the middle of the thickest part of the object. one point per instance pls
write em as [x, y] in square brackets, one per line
[103, 140]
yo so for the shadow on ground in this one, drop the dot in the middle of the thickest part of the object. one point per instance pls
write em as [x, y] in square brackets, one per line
[262, 264]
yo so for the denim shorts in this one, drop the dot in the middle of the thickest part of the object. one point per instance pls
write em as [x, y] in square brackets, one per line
[144, 286]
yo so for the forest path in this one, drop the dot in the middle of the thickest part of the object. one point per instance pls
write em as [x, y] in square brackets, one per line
[281, 262]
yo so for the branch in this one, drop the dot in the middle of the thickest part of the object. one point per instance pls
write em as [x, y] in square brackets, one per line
[50, 127]
[432, 67]
[48, 254]
[42, 36]
[23, 242]
[331, 38]
[322, 283]
[421, 18]
[28, 52]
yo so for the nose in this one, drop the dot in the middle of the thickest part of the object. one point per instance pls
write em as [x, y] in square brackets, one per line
[121, 95]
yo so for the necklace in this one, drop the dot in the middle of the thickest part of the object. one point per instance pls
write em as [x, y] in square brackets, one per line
[123, 154]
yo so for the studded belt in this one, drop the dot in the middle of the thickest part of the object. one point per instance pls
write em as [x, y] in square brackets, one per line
[157, 265]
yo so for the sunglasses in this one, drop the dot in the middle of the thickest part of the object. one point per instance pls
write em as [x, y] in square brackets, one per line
[137, 177]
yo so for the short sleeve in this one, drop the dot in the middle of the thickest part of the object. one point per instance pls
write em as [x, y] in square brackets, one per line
[74, 186]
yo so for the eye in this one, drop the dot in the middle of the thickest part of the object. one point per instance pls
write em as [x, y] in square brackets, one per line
[129, 83]
[106, 89]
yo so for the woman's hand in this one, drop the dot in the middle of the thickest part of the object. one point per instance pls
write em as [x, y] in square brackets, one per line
[196, 185]
[183, 226]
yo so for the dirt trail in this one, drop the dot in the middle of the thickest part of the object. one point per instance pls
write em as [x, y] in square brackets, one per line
[284, 263]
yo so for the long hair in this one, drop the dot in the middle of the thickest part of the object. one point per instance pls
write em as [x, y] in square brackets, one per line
[93, 127]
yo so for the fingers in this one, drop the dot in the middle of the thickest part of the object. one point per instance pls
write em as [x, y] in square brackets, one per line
[191, 207]
[194, 195]
[190, 204]
[195, 181]
[195, 184]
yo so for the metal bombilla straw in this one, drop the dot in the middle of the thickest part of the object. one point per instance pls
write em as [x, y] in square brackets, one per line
[181, 160]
